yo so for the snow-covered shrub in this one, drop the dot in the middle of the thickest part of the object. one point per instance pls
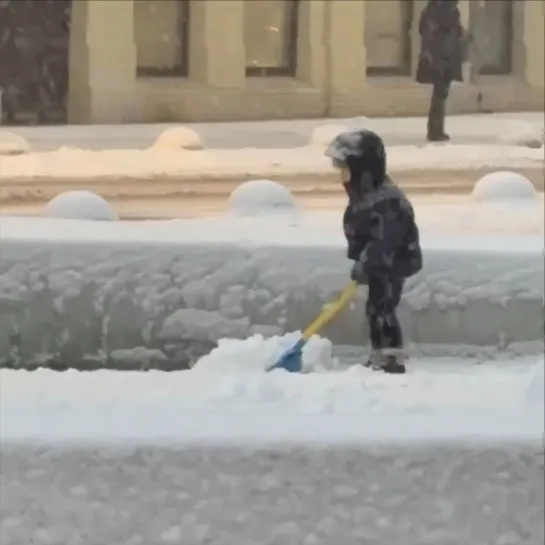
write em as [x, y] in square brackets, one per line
[261, 197]
[83, 205]
[178, 138]
[12, 144]
[504, 187]
[323, 135]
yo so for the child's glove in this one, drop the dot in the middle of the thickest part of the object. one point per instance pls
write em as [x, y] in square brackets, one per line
[358, 274]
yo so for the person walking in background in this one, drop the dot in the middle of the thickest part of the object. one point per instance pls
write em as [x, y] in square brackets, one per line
[441, 58]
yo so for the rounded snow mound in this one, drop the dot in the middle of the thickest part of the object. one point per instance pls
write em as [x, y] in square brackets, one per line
[535, 390]
[81, 205]
[524, 135]
[12, 144]
[257, 353]
[323, 135]
[358, 122]
[504, 186]
[261, 197]
[178, 138]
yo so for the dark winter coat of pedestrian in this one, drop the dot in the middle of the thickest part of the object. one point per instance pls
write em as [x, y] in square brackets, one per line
[383, 239]
[441, 58]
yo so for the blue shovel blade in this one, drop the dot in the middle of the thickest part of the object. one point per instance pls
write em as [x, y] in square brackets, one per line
[291, 360]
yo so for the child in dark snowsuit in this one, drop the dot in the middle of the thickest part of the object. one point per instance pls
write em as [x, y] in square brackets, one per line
[383, 240]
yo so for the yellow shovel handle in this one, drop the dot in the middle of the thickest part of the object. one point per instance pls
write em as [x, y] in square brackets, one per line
[330, 311]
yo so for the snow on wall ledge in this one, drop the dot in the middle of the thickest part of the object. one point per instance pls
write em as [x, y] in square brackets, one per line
[119, 295]
[250, 163]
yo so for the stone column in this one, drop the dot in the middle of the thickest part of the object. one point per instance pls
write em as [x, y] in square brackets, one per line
[532, 38]
[311, 49]
[102, 61]
[216, 43]
[345, 46]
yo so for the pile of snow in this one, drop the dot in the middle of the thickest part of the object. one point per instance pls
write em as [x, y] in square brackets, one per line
[258, 197]
[178, 138]
[83, 205]
[524, 135]
[12, 144]
[535, 391]
[323, 135]
[257, 353]
[504, 186]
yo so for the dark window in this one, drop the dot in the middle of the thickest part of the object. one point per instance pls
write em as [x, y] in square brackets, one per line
[161, 33]
[495, 37]
[270, 37]
[388, 37]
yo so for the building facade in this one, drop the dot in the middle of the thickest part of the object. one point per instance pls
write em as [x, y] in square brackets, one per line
[203, 60]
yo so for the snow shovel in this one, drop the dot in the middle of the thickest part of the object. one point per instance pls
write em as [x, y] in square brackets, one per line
[292, 359]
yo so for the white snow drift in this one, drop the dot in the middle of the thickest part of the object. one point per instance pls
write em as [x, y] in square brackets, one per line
[504, 186]
[246, 164]
[178, 138]
[524, 134]
[258, 353]
[83, 205]
[12, 144]
[258, 197]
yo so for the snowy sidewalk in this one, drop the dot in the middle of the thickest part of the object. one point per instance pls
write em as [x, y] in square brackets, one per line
[205, 455]
[464, 129]
[437, 400]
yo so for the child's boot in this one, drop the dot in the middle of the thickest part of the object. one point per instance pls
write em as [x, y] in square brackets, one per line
[394, 364]
[387, 361]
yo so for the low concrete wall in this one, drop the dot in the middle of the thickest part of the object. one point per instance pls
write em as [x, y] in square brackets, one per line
[128, 305]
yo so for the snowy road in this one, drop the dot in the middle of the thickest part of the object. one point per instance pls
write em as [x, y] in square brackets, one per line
[196, 496]
[225, 399]
[448, 454]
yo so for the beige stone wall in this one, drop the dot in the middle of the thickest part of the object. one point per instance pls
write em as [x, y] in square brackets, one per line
[339, 46]
[102, 63]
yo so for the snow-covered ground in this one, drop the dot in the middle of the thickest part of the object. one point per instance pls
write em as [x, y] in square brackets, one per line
[73, 164]
[225, 457]
[70, 285]
[475, 129]
[196, 280]
[223, 401]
